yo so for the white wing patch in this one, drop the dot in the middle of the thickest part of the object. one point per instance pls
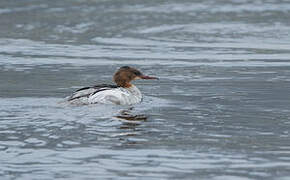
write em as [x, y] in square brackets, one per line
[106, 95]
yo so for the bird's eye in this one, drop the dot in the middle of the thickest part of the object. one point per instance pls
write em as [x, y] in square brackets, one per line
[137, 73]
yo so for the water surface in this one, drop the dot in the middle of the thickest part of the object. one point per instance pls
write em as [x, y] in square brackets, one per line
[219, 111]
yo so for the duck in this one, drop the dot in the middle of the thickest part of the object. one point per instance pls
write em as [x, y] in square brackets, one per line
[122, 93]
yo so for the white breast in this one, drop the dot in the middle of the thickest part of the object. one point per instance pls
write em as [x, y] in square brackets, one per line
[121, 96]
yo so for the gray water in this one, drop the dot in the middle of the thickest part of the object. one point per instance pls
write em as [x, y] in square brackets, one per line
[219, 111]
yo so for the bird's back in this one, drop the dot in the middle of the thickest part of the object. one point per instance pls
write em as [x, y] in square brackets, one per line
[81, 96]
[106, 94]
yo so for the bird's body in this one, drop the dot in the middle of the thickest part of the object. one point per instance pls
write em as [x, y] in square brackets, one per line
[123, 93]
[107, 94]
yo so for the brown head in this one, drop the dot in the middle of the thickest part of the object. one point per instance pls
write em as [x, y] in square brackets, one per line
[126, 74]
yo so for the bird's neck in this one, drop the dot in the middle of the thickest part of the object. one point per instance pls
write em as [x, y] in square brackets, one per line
[127, 85]
[134, 90]
[122, 82]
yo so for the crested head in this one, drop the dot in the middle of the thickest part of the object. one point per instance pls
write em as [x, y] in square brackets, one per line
[126, 74]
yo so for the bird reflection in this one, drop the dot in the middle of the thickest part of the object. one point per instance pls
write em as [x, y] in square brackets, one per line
[129, 116]
[130, 120]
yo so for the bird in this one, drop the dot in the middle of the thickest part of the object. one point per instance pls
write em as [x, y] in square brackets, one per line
[123, 93]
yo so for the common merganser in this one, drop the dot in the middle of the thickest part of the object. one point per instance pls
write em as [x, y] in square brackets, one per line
[124, 93]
